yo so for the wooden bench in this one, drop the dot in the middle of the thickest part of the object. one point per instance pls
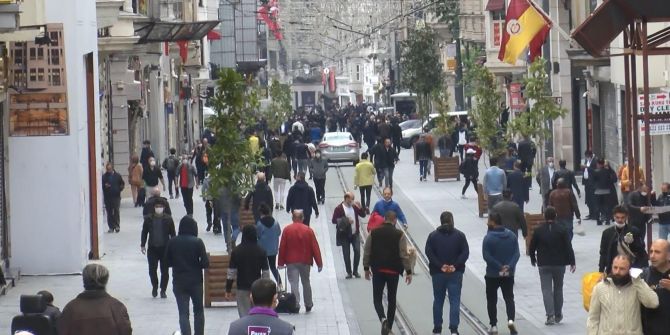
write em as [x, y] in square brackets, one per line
[446, 168]
[215, 281]
[482, 202]
[532, 222]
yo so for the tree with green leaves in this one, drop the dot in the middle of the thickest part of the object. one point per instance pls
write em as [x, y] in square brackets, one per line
[421, 67]
[231, 160]
[280, 105]
[444, 122]
[532, 122]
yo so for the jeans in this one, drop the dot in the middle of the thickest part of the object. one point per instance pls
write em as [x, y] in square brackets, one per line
[663, 231]
[320, 185]
[171, 177]
[423, 168]
[379, 280]
[112, 206]
[183, 295]
[272, 262]
[568, 224]
[300, 271]
[506, 284]
[231, 225]
[155, 255]
[493, 200]
[551, 281]
[187, 197]
[380, 176]
[352, 242]
[201, 169]
[243, 299]
[365, 195]
[388, 176]
[279, 186]
[444, 283]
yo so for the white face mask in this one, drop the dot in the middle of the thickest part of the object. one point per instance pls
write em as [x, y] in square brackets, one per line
[551, 165]
[185, 161]
[619, 225]
[159, 210]
[152, 163]
[318, 155]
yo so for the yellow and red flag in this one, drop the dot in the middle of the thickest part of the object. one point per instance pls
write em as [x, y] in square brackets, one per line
[525, 27]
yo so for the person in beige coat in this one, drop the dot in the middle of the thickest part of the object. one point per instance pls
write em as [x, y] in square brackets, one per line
[615, 303]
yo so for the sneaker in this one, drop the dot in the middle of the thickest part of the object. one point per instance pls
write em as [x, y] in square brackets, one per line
[356, 275]
[209, 226]
[171, 197]
[154, 292]
[454, 332]
[163, 295]
[110, 231]
[512, 327]
[493, 330]
[463, 196]
[281, 207]
[308, 308]
[558, 318]
[550, 321]
[348, 276]
[276, 206]
[117, 229]
[385, 327]
[437, 330]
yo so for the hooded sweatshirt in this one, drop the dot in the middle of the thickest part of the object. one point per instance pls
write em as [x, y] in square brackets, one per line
[268, 231]
[500, 247]
[247, 261]
[301, 196]
[186, 254]
[446, 246]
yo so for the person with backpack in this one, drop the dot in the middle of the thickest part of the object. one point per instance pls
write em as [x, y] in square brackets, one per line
[158, 229]
[345, 217]
[170, 165]
[268, 231]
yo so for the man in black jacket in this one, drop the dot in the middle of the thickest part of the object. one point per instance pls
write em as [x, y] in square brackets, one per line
[155, 198]
[112, 185]
[657, 276]
[422, 153]
[301, 196]
[159, 228]
[396, 135]
[637, 200]
[248, 262]
[187, 256]
[567, 175]
[376, 158]
[518, 184]
[512, 216]
[551, 250]
[527, 151]
[622, 237]
[589, 166]
[387, 160]
[262, 194]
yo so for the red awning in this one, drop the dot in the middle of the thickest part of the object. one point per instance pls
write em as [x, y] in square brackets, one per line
[213, 35]
[495, 5]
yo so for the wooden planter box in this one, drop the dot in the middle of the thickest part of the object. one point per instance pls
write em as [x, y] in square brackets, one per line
[446, 168]
[246, 216]
[215, 281]
[532, 222]
[482, 202]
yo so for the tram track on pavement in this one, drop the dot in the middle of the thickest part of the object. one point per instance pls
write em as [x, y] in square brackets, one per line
[402, 319]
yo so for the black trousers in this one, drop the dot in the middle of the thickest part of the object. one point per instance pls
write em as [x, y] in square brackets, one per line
[154, 256]
[352, 242]
[272, 262]
[208, 211]
[460, 150]
[320, 185]
[365, 195]
[113, 216]
[590, 199]
[390, 281]
[604, 207]
[171, 181]
[396, 146]
[506, 284]
[308, 217]
[469, 180]
[187, 197]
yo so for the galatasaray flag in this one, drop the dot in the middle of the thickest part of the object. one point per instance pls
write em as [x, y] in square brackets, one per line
[525, 27]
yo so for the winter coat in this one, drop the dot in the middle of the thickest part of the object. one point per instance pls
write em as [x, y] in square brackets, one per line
[94, 312]
[609, 247]
[422, 151]
[299, 246]
[280, 169]
[319, 168]
[186, 255]
[339, 213]
[248, 262]
[565, 203]
[112, 185]
[518, 184]
[569, 178]
[364, 175]
[445, 246]
[301, 196]
[135, 172]
[262, 194]
[268, 231]
[551, 246]
[387, 157]
[511, 216]
[616, 310]
[191, 174]
[159, 230]
[500, 247]
[469, 168]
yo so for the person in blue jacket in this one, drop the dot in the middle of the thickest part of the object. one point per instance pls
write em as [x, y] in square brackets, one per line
[387, 204]
[268, 231]
[501, 253]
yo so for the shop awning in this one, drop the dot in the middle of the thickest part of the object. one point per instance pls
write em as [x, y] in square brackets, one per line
[612, 17]
[150, 32]
[213, 35]
[495, 5]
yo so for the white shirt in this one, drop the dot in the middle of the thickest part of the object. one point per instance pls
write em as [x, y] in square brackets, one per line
[349, 212]
[551, 173]
[461, 138]
[586, 169]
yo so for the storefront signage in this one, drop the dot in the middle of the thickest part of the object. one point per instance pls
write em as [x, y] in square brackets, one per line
[658, 103]
[516, 100]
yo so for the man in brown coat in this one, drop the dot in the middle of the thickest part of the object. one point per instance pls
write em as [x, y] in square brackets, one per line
[565, 203]
[94, 311]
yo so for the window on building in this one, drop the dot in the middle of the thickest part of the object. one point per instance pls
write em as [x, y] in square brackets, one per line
[33, 75]
[33, 54]
[54, 77]
[19, 78]
[18, 54]
[40, 53]
[54, 57]
[592, 5]
[53, 36]
[358, 72]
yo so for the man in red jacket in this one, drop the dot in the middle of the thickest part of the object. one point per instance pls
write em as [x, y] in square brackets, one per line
[345, 219]
[298, 250]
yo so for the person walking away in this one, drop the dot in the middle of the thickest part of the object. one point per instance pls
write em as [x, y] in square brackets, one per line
[186, 179]
[396, 135]
[345, 218]
[281, 173]
[567, 175]
[615, 302]
[254, 143]
[625, 176]
[187, 256]
[200, 157]
[447, 251]
[275, 144]
[621, 238]
[301, 196]
[385, 259]
[543, 178]
[152, 175]
[262, 194]
[364, 175]
[158, 228]
[298, 251]
[501, 254]
[287, 149]
[386, 204]
[248, 263]
[301, 155]
[170, 165]
[94, 311]
[664, 218]
[462, 138]
[268, 231]
[135, 173]
[564, 202]
[517, 183]
[655, 321]
[51, 311]
[470, 172]
[229, 207]
[210, 208]
[494, 183]
[155, 198]
[318, 168]
[112, 185]
[262, 319]
[388, 159]
[511, 215]
[602, 182]
[376, 157]
[589, 166]
[146, 154]
[551, 251]
[637, 200]
[527, 151]
[422, 153]
[445, 145]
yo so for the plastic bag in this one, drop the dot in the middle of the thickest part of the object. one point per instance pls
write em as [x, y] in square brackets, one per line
[589, 281]
[579, 229]
[375, 221]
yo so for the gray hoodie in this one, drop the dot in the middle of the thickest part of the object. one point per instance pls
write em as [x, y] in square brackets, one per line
[319, 168]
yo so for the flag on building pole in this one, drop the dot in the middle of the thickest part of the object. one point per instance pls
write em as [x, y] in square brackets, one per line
[525, 27]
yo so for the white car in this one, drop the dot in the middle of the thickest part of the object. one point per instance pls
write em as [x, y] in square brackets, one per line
[339, 147]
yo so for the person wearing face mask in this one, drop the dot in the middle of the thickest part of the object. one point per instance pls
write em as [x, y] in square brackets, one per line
[186, 179]
[637, 201]
[615, 302]
[543, 178]
[621, 238]
[447, 251]
[152, 175]
[158, 229]
[112, 185]
[318, 167]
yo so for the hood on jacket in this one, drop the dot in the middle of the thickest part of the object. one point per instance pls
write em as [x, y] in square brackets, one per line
[188, 226]
[261, 185]
[301, 184]
[267, 221]
[249, 234]
[501, 233]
